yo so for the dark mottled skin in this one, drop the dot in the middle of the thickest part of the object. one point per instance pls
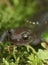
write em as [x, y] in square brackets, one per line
[42, 25]
[16, 36]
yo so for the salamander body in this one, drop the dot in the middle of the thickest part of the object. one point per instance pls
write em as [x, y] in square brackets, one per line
[27, 35]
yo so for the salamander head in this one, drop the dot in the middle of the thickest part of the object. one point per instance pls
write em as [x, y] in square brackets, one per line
[22, 36]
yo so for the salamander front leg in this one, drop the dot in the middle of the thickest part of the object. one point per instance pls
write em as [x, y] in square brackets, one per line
[3, 36]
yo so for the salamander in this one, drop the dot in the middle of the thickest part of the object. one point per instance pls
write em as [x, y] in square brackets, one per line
[27, 35]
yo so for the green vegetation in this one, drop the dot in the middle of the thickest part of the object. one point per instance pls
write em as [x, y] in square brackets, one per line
[13, 13]
[16, 11]
[20, 55]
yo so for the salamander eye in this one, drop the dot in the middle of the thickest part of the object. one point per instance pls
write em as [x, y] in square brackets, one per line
[25, 35]
[12, 31]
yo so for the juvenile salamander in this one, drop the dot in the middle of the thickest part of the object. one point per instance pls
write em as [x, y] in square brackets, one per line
[26, 35]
